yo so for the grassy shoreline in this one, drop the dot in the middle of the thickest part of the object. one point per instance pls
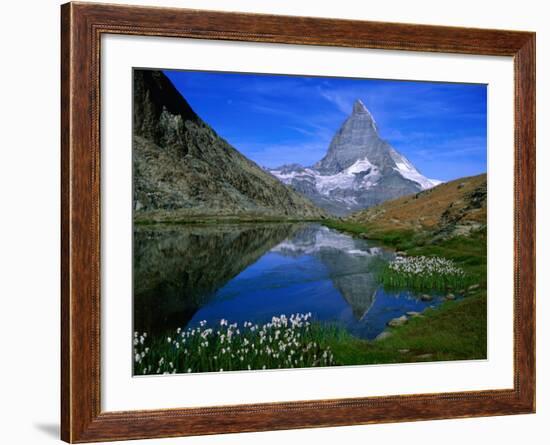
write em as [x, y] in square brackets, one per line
[456, 330]
[284, 342]
[439, 334]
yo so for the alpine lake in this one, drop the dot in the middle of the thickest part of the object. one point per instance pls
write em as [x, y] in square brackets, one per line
[191, 275]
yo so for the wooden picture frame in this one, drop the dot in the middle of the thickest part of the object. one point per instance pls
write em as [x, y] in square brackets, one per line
[82, 26]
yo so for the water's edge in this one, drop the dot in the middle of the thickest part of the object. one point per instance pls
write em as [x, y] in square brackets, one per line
[185, 274]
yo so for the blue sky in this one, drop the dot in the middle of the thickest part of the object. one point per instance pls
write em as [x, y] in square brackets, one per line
[273, 120]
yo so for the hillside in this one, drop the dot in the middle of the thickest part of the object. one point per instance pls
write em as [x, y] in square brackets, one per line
[452, 208]
[184, 169]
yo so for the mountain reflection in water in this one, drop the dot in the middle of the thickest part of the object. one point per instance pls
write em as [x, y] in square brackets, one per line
[250, 272]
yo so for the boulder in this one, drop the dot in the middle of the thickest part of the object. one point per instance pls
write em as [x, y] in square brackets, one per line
[383, 335]
[399, 321]
[424, 356]
[426, 297]
[412, 314]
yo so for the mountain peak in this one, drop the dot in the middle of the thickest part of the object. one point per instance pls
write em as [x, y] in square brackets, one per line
[359, 107]
[361, 111]
[359, 170]
[357, 139]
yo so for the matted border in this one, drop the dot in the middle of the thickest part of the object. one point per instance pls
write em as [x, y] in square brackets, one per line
[82, 25]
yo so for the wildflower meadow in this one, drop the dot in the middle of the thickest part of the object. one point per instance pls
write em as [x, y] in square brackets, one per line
[423, 273]
[284, 342]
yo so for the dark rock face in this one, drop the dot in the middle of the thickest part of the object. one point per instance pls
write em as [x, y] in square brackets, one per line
[359, 170]
[183, 168]
[160, 112]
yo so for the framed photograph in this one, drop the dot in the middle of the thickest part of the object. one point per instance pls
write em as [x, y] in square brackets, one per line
[274, 222]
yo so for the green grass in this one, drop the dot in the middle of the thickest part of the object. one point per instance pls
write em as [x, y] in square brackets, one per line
[292, 342]
[424, 282]
[399, 240]
[469, 252]
[424, 273]
[346, 226]
[453, 331]
[456, 330]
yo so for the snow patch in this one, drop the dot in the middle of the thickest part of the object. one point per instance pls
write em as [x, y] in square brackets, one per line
[344, 180]
[286, 178]
[407, 170]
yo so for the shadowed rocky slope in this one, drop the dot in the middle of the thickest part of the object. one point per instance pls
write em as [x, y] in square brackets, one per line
[183, 168]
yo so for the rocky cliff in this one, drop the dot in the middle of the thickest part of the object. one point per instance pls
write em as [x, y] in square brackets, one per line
[183, 168]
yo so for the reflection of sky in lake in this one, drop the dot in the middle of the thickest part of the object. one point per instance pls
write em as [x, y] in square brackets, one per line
[316, 270]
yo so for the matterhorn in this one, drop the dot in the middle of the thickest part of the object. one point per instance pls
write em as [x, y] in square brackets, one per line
[359, 170]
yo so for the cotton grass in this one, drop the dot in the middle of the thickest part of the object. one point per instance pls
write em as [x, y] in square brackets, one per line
[423, 273]
[284, 342]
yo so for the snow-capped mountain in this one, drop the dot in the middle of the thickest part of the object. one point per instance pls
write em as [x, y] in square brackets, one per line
[359, 170]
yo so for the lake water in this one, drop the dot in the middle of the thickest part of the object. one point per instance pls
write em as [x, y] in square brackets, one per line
[251, 272]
